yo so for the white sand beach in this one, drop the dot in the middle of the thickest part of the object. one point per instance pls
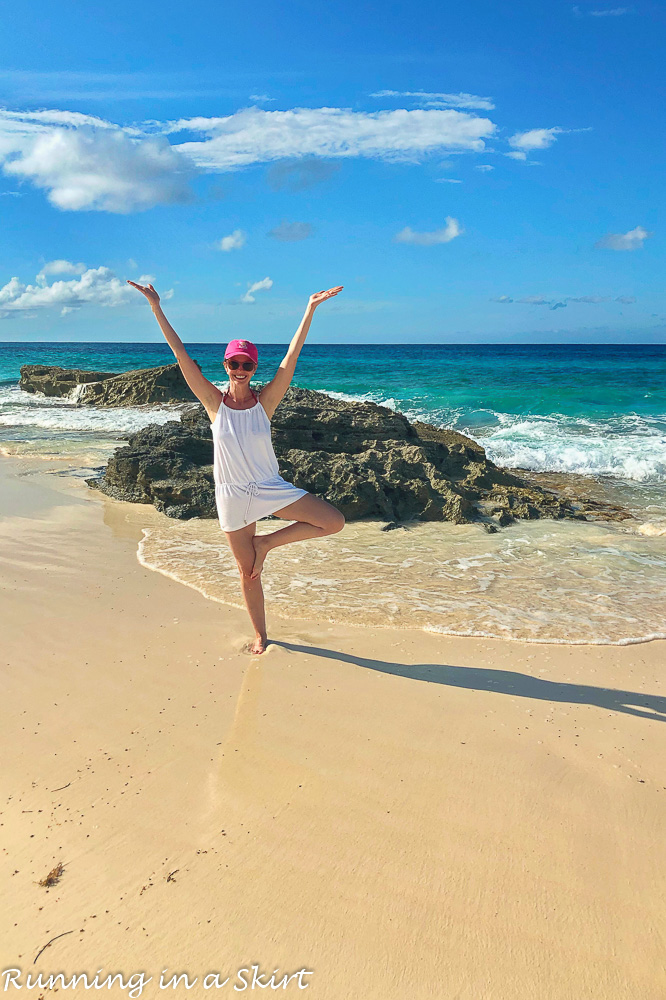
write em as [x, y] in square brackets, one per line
[399, 813]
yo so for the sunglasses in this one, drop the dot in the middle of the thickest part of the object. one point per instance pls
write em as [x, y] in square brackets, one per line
[247, 366]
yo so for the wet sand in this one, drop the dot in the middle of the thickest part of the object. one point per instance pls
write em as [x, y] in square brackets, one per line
[399, 813]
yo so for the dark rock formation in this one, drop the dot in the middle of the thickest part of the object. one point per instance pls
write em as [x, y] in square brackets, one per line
[51, 380]
[164, 384]
[367, 460]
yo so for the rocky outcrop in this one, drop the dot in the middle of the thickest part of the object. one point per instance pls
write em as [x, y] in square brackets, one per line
[367, 460]
[164, 384]
[51, 380]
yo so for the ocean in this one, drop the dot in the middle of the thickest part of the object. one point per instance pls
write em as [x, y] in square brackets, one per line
[598, 411]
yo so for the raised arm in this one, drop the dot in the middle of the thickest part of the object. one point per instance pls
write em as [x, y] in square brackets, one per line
[207, 393]
[273, 392]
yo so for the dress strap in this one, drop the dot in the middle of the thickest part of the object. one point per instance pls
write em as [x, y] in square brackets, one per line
[256, 398]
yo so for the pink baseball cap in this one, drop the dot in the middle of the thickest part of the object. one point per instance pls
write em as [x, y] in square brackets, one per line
[245, 347]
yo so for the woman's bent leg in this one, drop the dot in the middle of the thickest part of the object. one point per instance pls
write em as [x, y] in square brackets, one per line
[313, 518]
[240, 543]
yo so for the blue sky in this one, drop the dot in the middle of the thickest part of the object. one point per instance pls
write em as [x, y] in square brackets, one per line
[478, 172]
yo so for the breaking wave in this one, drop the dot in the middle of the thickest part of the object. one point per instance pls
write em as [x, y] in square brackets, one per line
[629, 446]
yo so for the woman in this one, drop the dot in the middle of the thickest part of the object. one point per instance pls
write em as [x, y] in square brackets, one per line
[247, 479]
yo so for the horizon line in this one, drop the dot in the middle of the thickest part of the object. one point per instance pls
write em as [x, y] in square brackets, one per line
[355, 343]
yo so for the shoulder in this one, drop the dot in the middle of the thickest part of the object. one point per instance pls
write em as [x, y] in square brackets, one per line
[268, 401]
[271, 395]
[212, 405]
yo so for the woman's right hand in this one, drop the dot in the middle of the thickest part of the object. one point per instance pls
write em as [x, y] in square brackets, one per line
[148, 291]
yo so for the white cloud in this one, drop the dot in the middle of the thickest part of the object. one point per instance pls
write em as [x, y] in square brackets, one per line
[608, 12]
[33, 122]
[95, 286]
[59, 267]
[257, 136]
[258, 286]
[93, 169]
[233, 242]
[484, 166]
[262, 98]
[633, 240]
[444, 235]
[627, 300]
[541, 300]
[85, 163]
[535, 138]
[535, 300]
[441, 100]
[291, 232]
[447, 180]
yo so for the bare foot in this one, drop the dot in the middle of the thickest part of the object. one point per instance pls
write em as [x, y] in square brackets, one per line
[261, 549]
[259, 645]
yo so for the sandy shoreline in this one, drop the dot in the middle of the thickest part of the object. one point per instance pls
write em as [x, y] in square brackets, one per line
[405, 814]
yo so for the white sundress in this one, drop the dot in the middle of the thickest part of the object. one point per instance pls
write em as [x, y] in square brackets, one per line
[248, 484]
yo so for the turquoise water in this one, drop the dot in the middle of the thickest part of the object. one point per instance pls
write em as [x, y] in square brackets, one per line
[596, 411]
[590, 409]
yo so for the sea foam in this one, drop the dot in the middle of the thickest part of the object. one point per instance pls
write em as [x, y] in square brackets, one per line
[543, 581]
[627, 446]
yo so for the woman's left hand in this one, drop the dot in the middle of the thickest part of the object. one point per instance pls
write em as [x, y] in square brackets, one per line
[320, 297]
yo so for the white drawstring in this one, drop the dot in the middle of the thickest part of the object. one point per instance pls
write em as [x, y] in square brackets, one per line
[252, 490]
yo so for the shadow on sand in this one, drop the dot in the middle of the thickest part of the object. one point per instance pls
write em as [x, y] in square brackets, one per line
[504, 682]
